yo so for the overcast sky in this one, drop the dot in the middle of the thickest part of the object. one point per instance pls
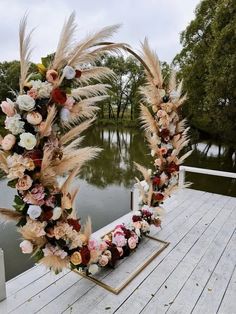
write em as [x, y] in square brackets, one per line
[160, 20]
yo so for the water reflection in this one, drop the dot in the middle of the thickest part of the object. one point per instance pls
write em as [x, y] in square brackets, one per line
[105, 183]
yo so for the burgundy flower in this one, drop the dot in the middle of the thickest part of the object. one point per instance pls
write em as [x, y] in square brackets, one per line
[50, 201]
[136, 218]
[47, 215]
[36, 155]
[164, 133]
[74, 223]
[58, 96]
[78, 73]
[115, 255]
[172, 167]
[85, 254]
[146, 213]
[156, 180]
[158, 196]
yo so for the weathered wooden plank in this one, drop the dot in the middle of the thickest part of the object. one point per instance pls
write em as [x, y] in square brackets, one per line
[22, 295]
[228, 304]
[190, 292]
[214, 290]
[69, 296]
[101, 300]
[157, 279]
[171, 287]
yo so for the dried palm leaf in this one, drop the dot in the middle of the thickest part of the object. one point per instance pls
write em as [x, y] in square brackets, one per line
[25, 52]
[152, 61]
[87, 228]
[89, 41]
[144, 171]
[48, 122]
[65, 42]
[89, 91]
[76, 131]
[148, 122]
[3, 162]
[55, 263]
[96, 73]
[7, 215]
[172, 80]
[182, 158]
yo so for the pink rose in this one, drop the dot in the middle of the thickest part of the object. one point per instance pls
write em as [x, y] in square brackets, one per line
[34, 118]
[33, 93]
[119, 240]
[137, 225]
[103, 260]
[8, 108]
[8, 142]
[103, 246]
[92, 244]
[35, 196]
[52, 76]
[26, 247]
[94, 256]
[24, 183]
[132, 243]
[69, 103]
[163, 150]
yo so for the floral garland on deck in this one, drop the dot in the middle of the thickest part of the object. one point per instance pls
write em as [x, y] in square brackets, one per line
[43, 126]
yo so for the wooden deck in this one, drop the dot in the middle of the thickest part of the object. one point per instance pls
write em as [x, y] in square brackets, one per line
[194, 274]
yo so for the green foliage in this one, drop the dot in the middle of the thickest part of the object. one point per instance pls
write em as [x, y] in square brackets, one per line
[207, 64]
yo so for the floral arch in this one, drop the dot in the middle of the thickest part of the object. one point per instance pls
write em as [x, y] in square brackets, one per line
[43, 126]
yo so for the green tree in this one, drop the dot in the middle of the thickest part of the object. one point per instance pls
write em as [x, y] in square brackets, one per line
[207, 65]
[9, 78]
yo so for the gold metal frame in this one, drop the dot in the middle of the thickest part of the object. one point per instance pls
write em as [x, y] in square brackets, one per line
[118, 289]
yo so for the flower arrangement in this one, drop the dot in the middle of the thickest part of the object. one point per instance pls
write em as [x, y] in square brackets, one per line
[43, 126]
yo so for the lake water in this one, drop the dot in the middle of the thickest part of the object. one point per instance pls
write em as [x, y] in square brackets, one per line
[105, 183]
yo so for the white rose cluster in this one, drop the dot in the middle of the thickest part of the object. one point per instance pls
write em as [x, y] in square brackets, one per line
[14, 124]
[25, 102]
[43, 88]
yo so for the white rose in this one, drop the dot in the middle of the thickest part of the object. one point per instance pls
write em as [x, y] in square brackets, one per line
[65, 114]
[57, 211]
[69, 72]
[93, 269]
[34, 211]
[34, 118]
[14, 124]
[27, 140]
[25, 102]
[26, 247]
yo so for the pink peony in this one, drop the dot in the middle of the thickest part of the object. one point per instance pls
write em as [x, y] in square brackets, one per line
[8, 108]
[132, 243]
[26, 247]
[8, 142]
[119, 240]
[103, 260]
[34, 118]
[103, 246]
[92, 244]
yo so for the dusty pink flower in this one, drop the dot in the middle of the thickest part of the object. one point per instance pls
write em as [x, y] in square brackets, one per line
[137, 225]
[92, 244]
[103, 260]
[8, 108]
[24, 183]
[119, 240]
[52, 76]
[41, 128]
[34, 118]
[163, 150]
[132, 243]
[35, 196]
[33, 93]
[94, 256]
[69, 103]
[103, 246]
[8, 142]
